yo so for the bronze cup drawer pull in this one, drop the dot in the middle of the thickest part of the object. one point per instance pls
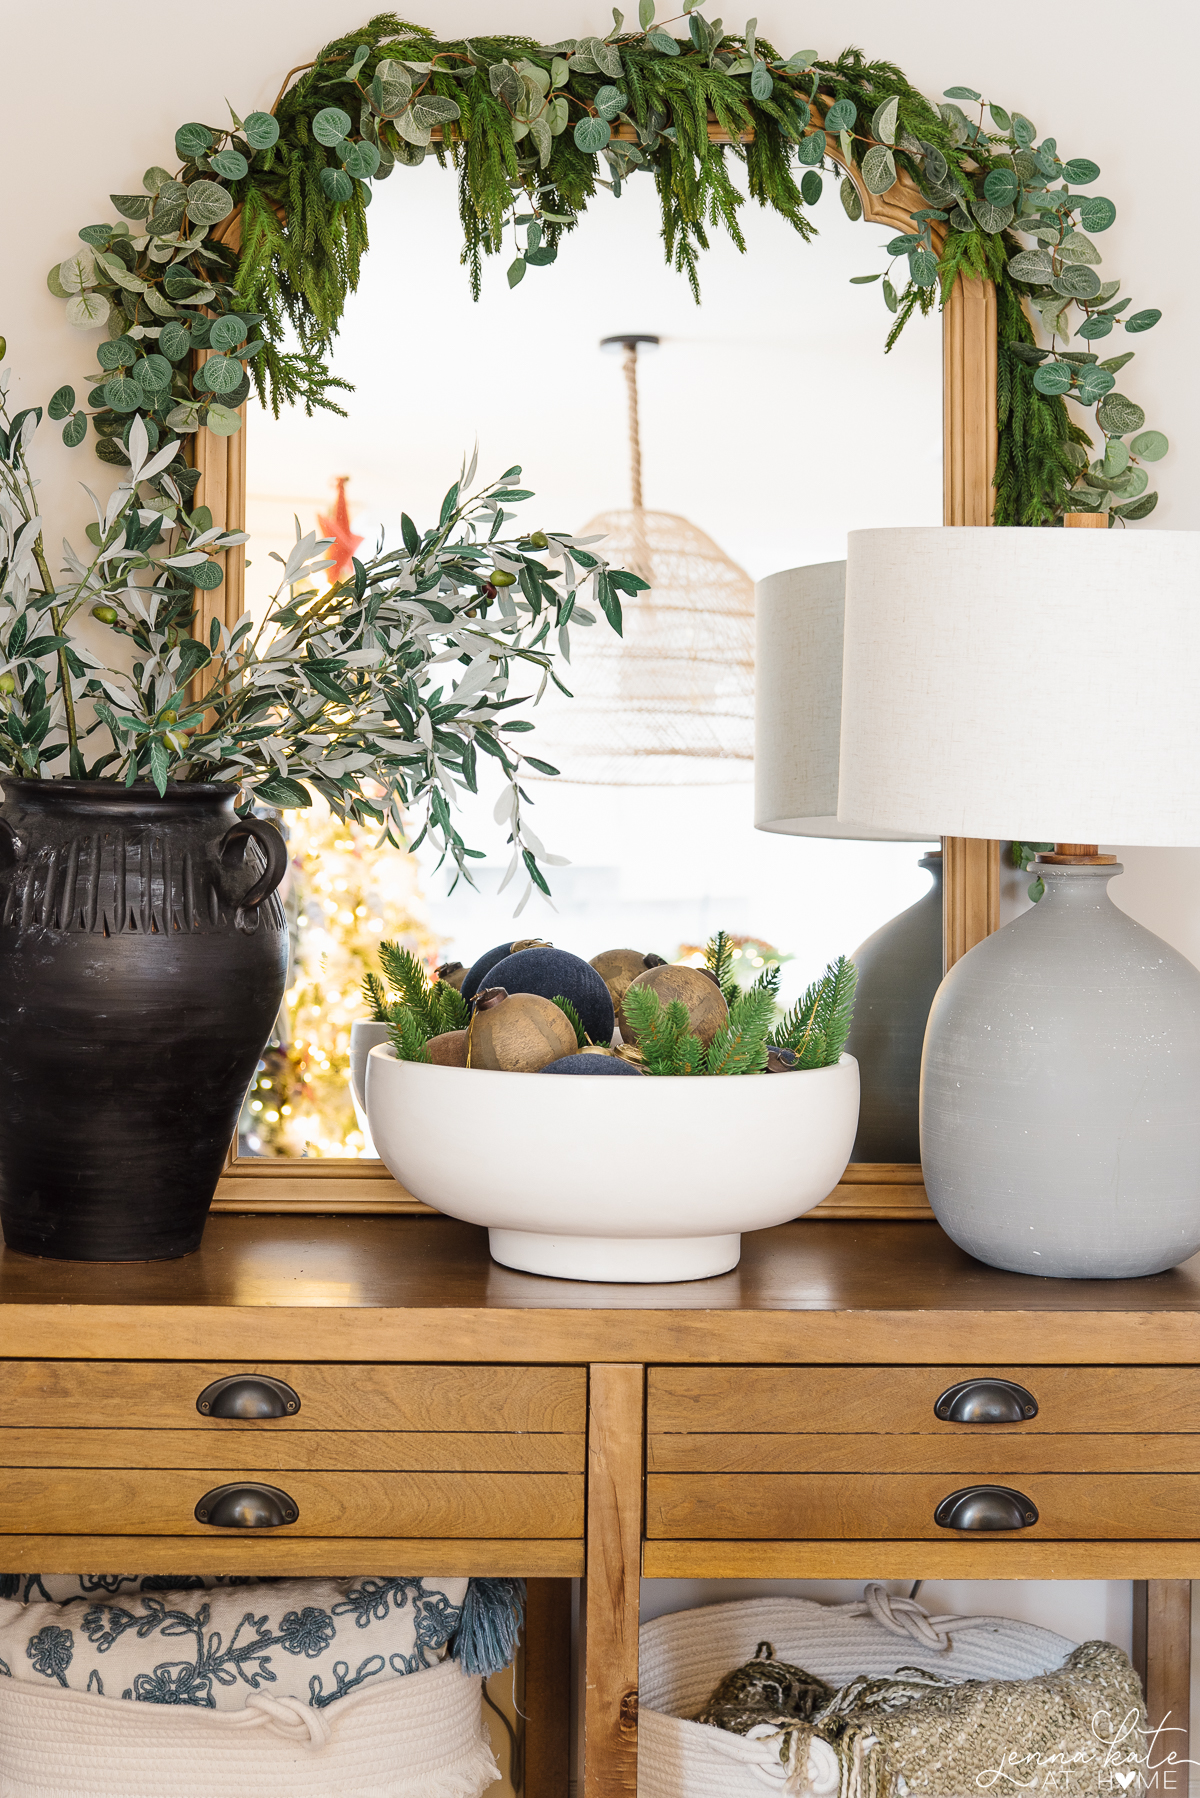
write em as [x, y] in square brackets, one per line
[247, 1507]
[986, 1508]
[986, 1401]
[250, 1397]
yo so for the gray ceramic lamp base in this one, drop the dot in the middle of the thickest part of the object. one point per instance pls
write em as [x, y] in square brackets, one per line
[1060, 1092]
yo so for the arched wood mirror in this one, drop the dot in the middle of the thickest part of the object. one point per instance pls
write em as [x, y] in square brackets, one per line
[243, 475]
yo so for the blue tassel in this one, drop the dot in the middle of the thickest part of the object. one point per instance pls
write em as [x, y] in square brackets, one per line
[492, 1613]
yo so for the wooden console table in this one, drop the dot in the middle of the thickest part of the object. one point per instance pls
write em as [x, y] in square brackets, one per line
[457, 1417]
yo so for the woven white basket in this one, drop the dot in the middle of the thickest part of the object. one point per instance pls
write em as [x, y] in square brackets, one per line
[685, 1655]
[418, 1737]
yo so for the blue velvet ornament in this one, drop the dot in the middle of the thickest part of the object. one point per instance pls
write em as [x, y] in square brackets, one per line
[479, 970]
[554, 974]
[591, 1064]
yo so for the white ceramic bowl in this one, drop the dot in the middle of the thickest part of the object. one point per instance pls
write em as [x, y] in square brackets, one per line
[364, 1034]
[613, 1179]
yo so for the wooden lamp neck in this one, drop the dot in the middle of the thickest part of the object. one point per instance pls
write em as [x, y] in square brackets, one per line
[1077, 855]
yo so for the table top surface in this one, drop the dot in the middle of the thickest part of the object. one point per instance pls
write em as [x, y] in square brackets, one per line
[350, 1288]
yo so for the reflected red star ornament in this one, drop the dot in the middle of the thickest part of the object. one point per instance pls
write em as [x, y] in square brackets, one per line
[338, 527]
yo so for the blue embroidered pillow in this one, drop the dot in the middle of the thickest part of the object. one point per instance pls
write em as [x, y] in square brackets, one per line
[210, 1643]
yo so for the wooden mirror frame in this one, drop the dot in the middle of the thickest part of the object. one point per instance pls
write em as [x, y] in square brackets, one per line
[972, 866]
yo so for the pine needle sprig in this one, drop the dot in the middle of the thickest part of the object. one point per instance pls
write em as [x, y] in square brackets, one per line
[718, 959]
[375, 994]
[741, 1047]
[817, 1027]
[836, 1008]
[408, 1035]
[573, 1018]
[661, 1030]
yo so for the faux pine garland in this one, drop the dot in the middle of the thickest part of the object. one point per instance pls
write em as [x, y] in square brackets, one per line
[532, 130]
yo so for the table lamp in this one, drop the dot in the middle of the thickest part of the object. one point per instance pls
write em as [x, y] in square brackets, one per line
[1042, 684]
[799, 616]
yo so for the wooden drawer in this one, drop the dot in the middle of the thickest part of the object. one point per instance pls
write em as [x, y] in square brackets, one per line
[161, 1395]
[746, 1401]
[856, 1507]
[409, 1506]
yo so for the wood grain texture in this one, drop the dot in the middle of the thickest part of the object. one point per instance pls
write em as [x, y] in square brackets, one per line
[310, 1557]
[124, 1395]
[379, 1451]
[362, 1289]
[1162, 1654]
[971, 909]
[984, 1454]
[547, 1702]
[969, 435]
[1010, 1559]
[121, 1502]
[616, 1411]
[830, 1400]
[832, 1506]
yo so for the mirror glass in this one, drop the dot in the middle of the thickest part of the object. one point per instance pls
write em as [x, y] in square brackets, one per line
[771, 420]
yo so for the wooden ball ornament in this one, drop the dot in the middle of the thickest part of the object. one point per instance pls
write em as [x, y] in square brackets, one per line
[449, 1050]
[694, 988]
[453, 973]
[618, 967]
[519, 1034]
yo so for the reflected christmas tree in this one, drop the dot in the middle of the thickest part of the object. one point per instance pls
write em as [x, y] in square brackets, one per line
[342, 896]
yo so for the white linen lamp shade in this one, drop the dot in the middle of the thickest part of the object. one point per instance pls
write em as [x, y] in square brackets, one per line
[799, 619]
[1035, 684]
[1042, 684]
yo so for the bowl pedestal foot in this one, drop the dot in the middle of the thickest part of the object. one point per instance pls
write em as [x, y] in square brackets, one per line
[646, 1260]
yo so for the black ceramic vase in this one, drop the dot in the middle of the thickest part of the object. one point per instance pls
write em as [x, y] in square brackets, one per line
[143, 956]
[899, 971]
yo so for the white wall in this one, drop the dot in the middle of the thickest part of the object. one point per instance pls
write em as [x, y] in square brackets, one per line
[94, 94]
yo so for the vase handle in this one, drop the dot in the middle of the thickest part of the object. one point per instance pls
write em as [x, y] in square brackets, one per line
[272, 846]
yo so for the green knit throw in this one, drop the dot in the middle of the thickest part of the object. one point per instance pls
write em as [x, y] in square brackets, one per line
[1080, 1728]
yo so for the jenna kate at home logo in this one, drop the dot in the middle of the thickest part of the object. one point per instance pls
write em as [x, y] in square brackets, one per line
[1119, 1759]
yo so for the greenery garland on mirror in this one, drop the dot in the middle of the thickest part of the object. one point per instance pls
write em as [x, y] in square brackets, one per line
[532, 130]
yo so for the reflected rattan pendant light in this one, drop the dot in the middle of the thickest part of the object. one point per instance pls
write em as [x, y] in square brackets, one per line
[671, 703]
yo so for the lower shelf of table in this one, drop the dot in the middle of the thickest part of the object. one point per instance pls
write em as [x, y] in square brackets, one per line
[1005, 1560]
[303, 1557]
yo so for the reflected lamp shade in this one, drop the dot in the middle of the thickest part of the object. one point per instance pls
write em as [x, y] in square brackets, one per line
[1044, 684]
[799, 619]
